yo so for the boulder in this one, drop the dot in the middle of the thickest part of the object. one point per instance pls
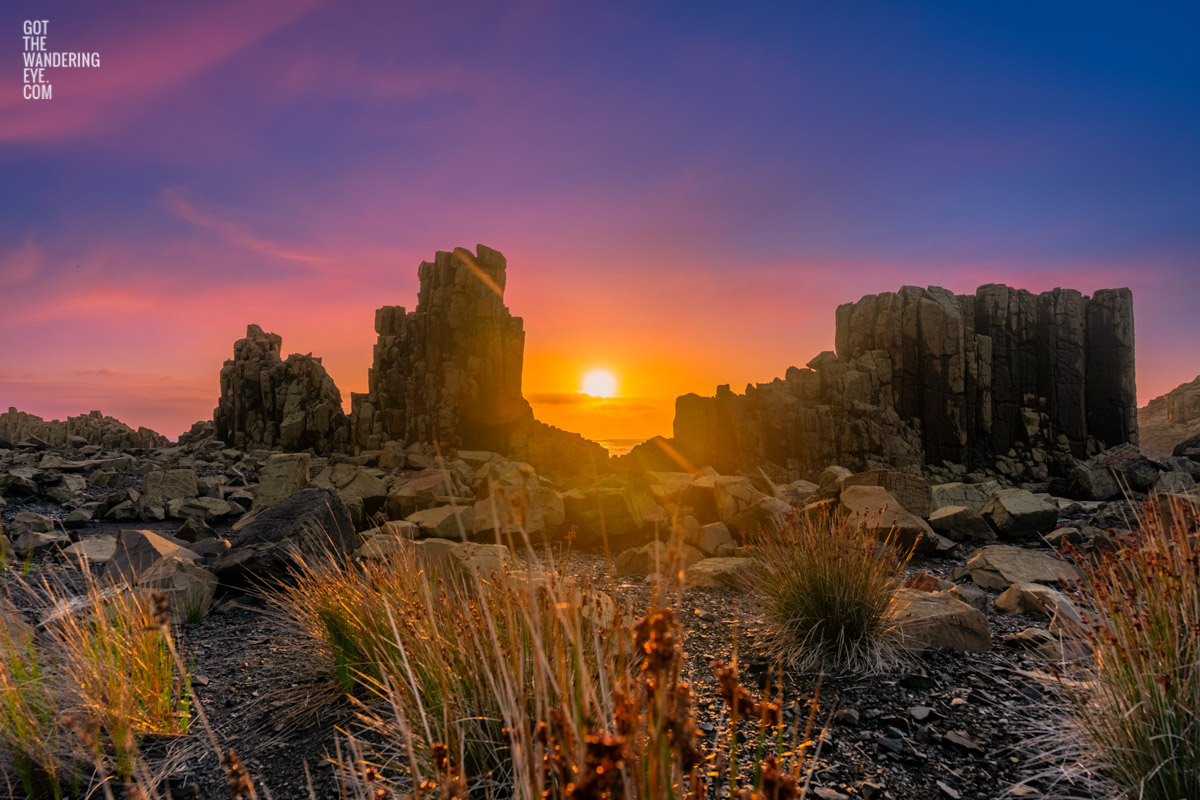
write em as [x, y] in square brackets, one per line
[709, 538]
[831, 480]
[1130, 466]
[1088, 480]
[444, 522]
[202, 508]
[912, 491]
[311, 524]
[1174, 482]
[765, 515]
[721, 573]
[358, 486]
[188, 587]
[938, 620]
[29, 522]
[961, 524]
[413, 491]
[137, 551]
[874, 508]
[598, 512]
[999, 566]
[657, 557]
[1189, 448]
[162, 486]
[732, 495]
[1036, 598]
[283, 475]
[1014, 513]
[798, 493]
[511, 499]
[92, 550]
[971, 495]
[31, 543]
[463, 558]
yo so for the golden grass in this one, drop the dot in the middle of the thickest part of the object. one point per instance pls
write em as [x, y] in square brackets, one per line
[829, 591]
[1140, 720]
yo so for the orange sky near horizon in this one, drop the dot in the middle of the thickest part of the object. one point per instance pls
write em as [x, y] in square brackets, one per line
[156, 355]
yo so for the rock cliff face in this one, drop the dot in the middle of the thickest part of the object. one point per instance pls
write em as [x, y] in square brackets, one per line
[95, 428]
[923, 375]
[267, 401]
[450, 371]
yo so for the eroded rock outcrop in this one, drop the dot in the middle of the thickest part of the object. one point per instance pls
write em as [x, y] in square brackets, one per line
[450, 371]
[926, 376]
[267, 401]
[93, 428]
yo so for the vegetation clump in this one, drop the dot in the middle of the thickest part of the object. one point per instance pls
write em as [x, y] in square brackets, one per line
[829, 593]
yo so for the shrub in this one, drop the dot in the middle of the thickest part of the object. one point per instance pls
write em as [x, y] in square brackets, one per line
[1140, 719]
[828, 591]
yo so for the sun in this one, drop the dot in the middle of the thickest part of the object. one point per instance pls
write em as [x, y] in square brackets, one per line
[600, 383]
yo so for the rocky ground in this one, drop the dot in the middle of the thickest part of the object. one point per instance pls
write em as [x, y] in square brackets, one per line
[988, 598]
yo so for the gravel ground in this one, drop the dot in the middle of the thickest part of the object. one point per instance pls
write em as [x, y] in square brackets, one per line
[946, 725]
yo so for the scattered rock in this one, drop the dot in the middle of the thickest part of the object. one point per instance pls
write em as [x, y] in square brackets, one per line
[999, 566]
[939, 620]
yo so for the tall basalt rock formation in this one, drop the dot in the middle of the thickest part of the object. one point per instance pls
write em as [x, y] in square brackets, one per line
[923, 375]
[449, 372]
[267, 401]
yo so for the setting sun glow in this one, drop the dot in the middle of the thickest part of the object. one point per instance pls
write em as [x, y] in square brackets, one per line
[600, 383]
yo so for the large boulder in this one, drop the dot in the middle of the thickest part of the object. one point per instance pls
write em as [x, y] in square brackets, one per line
[912, 491]
[413, 491]
[362, 490]
[1130, 466]
[189, 588]
[137, 551]
[1189, 448]
[1089, 480]
[971, 495]
[283, 475]
[721, 573]
[733, 495]
[160, 487]
[1015, 512]
[511, 499]
[938, 620]
[311, 524]
[765, 515]
[874, 508]
[444, 522]
[961, 523]
[999, 566]
[599, 512]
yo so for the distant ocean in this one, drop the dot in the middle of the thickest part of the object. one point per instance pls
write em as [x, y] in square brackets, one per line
[619, 447]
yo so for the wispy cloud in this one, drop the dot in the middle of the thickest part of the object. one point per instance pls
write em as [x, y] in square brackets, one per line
[235, 233]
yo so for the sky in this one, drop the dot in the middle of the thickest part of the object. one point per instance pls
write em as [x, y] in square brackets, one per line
[684, 191]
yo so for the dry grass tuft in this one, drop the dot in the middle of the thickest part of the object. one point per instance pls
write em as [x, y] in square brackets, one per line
[829, 590]
[1139, 717]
